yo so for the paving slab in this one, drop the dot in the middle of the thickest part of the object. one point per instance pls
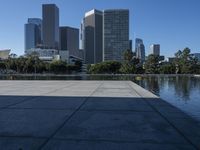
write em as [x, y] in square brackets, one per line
[116, 104]
[6, 101]
[31, 123]
[20, 143]
[47, 102]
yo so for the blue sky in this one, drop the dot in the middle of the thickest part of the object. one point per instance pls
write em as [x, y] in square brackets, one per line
[175, 24]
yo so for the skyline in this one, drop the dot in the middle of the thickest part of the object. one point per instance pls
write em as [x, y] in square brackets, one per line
[182, 29]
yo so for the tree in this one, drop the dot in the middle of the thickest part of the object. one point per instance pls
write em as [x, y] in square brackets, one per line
[128, 68]
[58, 67]
[78, 65]
[184, 63]
[178, 55]
[105, 67]
[167, 69]
[195, 66]
[152, 64]
[32, 64]
[114, 66]
[2, 65]
[130, 63]
[21, 65]
[128, 55]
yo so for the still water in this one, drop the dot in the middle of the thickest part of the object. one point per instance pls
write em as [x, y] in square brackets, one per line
[181, 91]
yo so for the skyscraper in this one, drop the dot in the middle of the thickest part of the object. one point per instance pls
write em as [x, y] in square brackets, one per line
[137, 43]
[155, 49]
[131, 45]
[69, 38]
[140, 50]
[50, 13]
[115, 34]
[33, 33]
[141, 53]
[91, 36]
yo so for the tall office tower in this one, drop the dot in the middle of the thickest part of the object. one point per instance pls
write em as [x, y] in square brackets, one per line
[115, 34]
[32, 33]
[38, 22]
[131, 45]
[137, 43]
[141, 53]
[155, 49]
[140, 50]
[91, 35]
[69, 38]
[50, 13]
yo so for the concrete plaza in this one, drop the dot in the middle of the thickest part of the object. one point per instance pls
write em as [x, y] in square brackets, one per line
[90, 115]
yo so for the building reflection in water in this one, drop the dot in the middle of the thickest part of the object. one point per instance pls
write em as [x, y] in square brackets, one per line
[179, 86]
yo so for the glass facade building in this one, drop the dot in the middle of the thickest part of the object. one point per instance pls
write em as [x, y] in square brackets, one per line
[33, 33]
[69, 38]
[38, 23]
[137, 43]
[131, 45]
[50, 26]
[140, 50]
[91, 36]
[141, 53]
[115, 34]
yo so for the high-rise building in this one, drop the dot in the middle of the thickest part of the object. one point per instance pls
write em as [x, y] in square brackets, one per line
[91, 36]
[69, 42]
[141, 53]
[38, 22]
[137, 43]
[140, 50]
[50, 13]
[33, 33]
[155, 49]
[115, 34]
[131, 45]
[69, 38]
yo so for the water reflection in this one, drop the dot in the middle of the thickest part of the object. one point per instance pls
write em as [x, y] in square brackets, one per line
[181, 91]
[182, 86]
[152, 83]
